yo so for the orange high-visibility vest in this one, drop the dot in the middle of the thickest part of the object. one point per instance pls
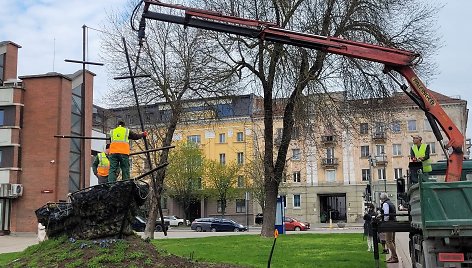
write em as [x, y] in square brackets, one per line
[119, 141]
[103, 165]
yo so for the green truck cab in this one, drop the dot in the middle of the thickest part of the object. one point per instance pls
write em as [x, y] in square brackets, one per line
[441, 219]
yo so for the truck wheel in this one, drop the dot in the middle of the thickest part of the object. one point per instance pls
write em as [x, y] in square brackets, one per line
[158, 228]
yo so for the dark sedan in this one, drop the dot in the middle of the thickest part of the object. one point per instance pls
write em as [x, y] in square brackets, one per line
[217, 225]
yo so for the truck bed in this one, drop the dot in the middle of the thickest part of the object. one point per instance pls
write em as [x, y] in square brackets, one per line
[442, 209]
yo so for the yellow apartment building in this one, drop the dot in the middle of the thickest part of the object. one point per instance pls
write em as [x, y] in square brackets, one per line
[327, 171]
[328, 167]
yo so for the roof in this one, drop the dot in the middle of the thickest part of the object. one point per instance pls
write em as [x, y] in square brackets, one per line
[4, 43]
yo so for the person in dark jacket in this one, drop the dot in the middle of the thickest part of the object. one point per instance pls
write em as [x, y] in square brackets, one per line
[368, 232]
[388, 209]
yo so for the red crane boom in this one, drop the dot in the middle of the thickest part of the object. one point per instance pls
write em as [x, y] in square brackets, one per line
[397, 60]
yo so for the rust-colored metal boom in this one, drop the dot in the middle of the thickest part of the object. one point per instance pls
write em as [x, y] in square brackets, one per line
[397, 60]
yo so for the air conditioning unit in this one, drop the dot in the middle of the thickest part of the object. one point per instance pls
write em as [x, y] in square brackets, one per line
[5, 190]
[16, 190]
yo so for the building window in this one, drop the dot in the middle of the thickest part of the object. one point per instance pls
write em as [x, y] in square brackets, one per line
[240, 206]
[297, 200]
[365, 152]
[380, 149]
[330, 152]
[284, 177]
[148, 117]
[432, 147]
[411, 125]
[379, 127]
[219, 206]
[194, 139]
[296, 176]
[330, 175]
[279, 133]
[222, 159]
[129, 119]
[364, 128]
[396, 127]
[296, 154]
[240, 158]
[427, 125]
[365, 174]
[240, 181]
[397, 149]
[164, 202]
[398, 173]
[2, 117]
[239, 136]
[198, 183]
[381, 173]
[284, 200]
[295, 133]
[222, 138]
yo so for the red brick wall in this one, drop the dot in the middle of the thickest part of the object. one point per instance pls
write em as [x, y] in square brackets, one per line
[47, 112]
[11, 62]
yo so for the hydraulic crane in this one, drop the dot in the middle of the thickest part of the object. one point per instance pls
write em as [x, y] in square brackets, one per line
[398, 60]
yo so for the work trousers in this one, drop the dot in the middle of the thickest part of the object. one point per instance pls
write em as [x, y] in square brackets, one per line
[102, 179]
[118, 161]
[390, 239]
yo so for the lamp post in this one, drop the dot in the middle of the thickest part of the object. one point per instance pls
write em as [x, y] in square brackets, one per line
[372, 164]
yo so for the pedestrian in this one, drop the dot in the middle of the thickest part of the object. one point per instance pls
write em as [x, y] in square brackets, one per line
[368, 231]
[101, 165]
[119, 150]
[389, 211]
[420, 152]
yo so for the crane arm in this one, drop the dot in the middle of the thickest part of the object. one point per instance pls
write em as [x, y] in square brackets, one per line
[394, 59]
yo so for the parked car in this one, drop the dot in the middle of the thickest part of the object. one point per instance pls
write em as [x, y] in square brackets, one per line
[202, 224]
[292, 224]
[225, 225]
[139, 224]
[217, 225]
[173, 220]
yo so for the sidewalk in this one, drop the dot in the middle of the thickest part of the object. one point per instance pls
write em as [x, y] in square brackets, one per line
[17, 242]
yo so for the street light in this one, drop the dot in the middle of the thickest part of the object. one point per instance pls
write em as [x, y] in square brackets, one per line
[373, 163]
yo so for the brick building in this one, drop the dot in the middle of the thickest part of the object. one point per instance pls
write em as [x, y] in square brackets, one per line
[36, 167]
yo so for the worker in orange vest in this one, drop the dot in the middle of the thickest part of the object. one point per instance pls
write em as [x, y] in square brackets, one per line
[101, 165]
[119, 150]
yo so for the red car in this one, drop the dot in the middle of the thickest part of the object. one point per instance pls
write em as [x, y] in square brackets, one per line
[292, 224]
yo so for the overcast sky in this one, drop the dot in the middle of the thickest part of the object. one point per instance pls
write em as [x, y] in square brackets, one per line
[50, 31]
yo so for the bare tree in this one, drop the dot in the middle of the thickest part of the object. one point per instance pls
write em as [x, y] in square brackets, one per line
[181, 66]
[298, 75]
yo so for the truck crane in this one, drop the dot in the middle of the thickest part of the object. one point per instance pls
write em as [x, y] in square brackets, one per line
[437, 239]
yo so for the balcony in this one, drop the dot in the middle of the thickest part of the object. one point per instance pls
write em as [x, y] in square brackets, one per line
[380, 136]
[328, 140]
[329, 162]
[381, 160]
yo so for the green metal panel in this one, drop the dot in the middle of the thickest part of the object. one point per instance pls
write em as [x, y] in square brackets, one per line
[442, 208]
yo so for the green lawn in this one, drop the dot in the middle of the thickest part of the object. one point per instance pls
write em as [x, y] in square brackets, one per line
[294, 250]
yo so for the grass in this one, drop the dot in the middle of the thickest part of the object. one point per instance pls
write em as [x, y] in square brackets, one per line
[297, 250]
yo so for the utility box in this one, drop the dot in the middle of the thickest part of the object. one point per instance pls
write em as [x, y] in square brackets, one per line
[279, 216]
